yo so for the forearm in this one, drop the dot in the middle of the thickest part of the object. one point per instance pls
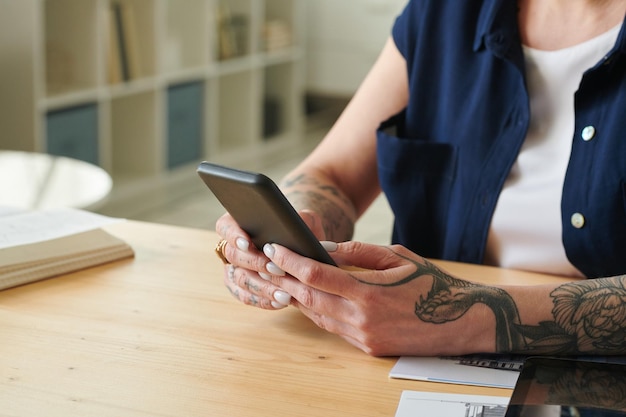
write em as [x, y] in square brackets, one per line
[586, 317]
[308, 191]
[338, 180]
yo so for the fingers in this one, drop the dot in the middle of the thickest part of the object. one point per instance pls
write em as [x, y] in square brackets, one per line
[247, 275]
[239, 249]
[367, 256]
[251, 289]
[377, 266]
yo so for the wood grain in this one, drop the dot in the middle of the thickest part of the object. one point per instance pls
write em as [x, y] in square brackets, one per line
[159, 335]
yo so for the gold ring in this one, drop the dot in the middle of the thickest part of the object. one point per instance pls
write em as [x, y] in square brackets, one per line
[219, 250]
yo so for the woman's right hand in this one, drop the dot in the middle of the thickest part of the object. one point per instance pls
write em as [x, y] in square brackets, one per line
[248, 271]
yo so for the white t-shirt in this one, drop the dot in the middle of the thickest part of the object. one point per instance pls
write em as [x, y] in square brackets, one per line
[526, 227]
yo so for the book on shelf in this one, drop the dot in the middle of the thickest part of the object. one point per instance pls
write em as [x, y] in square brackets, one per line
[277, 35]
[232, 33]
[114, 67]
[35, 245]
[124, 62]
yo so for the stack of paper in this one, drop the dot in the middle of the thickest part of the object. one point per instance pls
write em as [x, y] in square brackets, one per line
[416, 403]
[499, 371]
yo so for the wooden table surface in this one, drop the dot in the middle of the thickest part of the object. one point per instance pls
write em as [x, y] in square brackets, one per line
[159, 335]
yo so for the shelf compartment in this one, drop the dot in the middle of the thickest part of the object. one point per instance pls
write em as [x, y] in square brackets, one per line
[73, 132]
[71, 46]
[236, 111]
[185, 123]
[131, 40]
[187, 40]
[234, 29]
[281, 104]
[277, 32]
[134, 138]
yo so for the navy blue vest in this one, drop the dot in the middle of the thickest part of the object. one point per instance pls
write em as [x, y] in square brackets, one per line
[443, 161]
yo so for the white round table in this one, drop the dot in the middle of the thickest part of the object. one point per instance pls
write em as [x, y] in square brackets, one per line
[32, 180]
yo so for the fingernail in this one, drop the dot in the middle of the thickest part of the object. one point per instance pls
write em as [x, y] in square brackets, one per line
[273, 269]
[242, 244]
[328, 245]
[265, 276]
[269, 250]
[278, 305]
[282, 297]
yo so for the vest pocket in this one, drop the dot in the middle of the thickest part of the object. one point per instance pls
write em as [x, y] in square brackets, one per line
[417, 177]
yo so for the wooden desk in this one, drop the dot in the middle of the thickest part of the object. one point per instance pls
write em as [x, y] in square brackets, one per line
[159, 335]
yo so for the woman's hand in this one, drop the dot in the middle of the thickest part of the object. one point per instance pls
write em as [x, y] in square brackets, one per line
[247, 274]
[395, 303]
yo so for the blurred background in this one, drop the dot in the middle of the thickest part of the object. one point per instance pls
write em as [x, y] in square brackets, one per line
[143, 90]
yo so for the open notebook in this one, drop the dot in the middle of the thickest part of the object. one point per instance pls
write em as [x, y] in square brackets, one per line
[42, 244]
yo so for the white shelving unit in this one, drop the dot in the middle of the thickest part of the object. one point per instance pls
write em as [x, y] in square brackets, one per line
[242, 60]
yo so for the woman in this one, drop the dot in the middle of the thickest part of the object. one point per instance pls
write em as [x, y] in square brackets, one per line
[502, 142]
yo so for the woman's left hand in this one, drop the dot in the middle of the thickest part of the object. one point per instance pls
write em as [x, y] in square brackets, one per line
[389, 305]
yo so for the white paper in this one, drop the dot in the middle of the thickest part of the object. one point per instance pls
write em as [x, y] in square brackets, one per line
[451, 371]
[435, 404]
[38, 226]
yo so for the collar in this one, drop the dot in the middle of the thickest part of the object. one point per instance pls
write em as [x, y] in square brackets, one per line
[620, 44]
[496, 25]
[497, 30]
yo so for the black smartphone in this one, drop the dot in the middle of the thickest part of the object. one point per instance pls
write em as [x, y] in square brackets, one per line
[570, 387]
[261, 210]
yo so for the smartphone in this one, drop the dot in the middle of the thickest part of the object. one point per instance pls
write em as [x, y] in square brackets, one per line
[594, 386]
[261, 210]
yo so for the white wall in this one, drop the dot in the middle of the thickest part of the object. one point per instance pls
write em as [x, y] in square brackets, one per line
[344, 38]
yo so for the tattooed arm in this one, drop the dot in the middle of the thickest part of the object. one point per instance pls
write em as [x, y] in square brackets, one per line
[402, 304]
[339, 180]
[336, 210]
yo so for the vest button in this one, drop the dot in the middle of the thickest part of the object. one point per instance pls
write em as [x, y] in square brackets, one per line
[588, 133]
[578, 220]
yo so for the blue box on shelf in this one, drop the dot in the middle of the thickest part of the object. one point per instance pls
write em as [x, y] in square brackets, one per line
[73, 132]
[185, 107]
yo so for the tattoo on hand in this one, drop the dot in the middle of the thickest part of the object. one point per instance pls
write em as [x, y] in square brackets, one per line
[589, 316]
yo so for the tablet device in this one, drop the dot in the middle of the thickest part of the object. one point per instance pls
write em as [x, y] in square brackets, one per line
[261, 210]
[562, 387]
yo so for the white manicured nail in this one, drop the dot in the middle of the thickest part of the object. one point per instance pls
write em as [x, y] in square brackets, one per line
[269, 250]
[278, 305]
[273, 269]
[282, 297]
[242, 244]
[329, 246]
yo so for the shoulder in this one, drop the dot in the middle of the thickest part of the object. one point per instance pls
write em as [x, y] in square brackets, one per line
[441, 24]
[437, 17]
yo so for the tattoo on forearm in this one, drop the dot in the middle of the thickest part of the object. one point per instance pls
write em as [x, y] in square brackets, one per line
[589, 317]
[338, 225]
[310, 181]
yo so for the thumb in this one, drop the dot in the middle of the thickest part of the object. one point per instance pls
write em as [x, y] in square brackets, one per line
[353, 255]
